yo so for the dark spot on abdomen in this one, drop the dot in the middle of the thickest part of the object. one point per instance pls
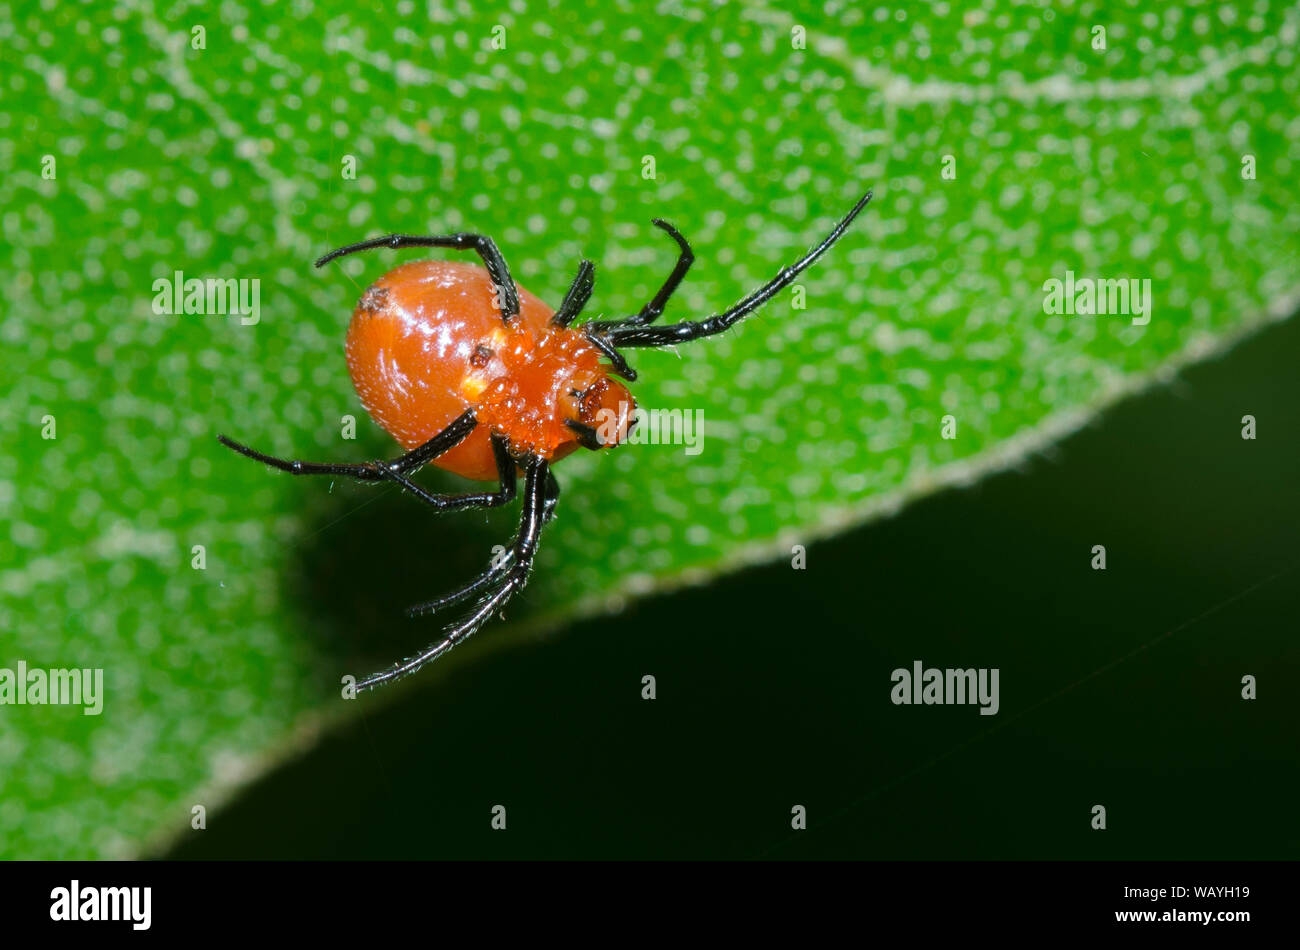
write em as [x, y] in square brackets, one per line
[481, 356]
[373, 300]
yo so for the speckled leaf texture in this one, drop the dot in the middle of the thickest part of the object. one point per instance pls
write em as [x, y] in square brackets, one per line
[1169, 155]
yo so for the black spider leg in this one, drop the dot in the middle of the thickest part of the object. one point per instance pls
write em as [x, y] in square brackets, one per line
[552, 497]
[445, 440]
[485, 247]
[502, 496]
[597, 330]
[578, 295]
[531, 522]
[695, 329]
[499, 565]
[619, 365]
[653, 310]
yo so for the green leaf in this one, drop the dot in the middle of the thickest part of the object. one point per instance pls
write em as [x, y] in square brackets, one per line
[1166, 156]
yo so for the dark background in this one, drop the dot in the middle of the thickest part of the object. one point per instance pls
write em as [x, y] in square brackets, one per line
[1120, 688]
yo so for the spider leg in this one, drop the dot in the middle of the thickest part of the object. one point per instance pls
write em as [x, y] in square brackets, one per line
[502, 496]
[499, 566]
[631, 335]
[601, 342]
[445, 440]
[480, 244]
[578, 295]
[552, 497]
[653, 310]
[537, 491]
[493, 573]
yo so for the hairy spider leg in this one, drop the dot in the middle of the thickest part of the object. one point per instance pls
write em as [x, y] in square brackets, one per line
[506, 475]
[650, 336]
[653, 310]
[447, 439]
[498, 567]
[532, 519]
[578, 295]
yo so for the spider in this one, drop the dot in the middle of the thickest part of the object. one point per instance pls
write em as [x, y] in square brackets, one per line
[472, 373]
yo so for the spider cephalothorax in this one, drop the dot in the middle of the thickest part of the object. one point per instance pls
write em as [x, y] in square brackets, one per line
[476, 375]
